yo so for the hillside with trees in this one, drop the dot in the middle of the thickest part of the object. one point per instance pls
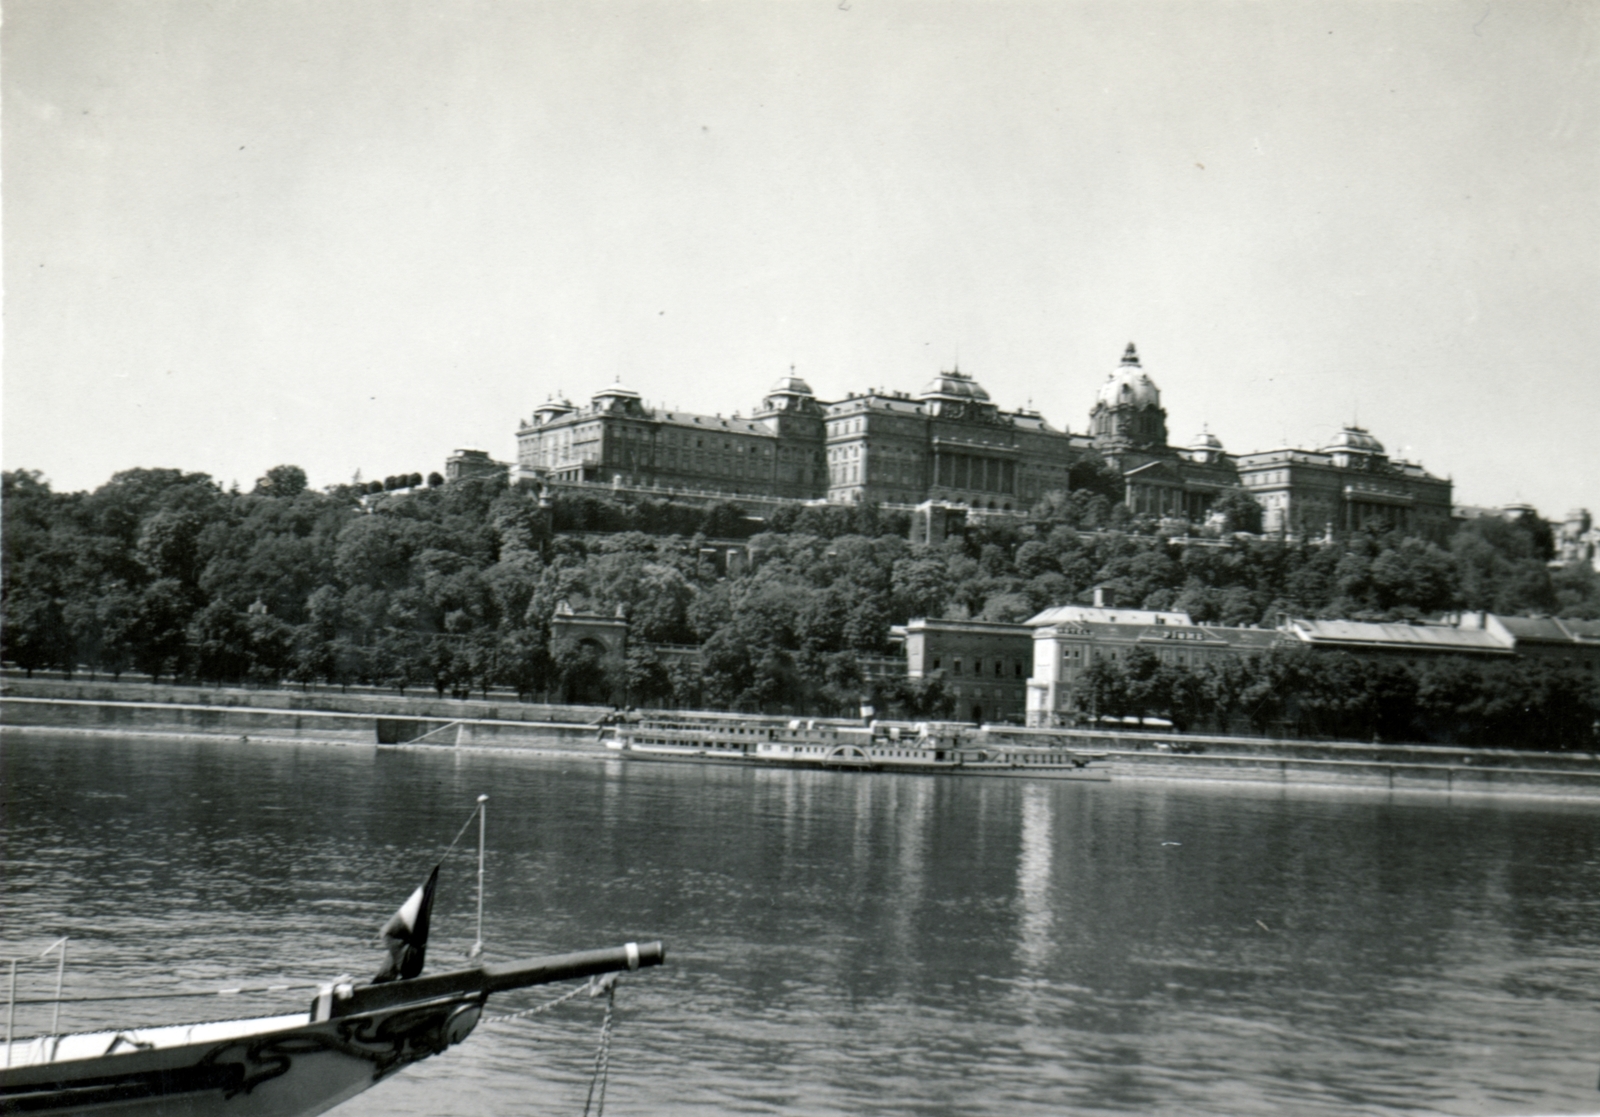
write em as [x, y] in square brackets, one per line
[451, 588]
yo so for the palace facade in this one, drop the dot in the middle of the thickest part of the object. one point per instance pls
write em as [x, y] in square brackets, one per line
[1347, 485]
[951, 443]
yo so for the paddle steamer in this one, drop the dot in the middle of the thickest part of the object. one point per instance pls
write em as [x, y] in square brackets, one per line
[922, 748]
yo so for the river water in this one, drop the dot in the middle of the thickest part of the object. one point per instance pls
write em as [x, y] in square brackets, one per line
[844, 942]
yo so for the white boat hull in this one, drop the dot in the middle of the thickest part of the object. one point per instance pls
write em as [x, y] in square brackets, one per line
[279, 1066]
[294, 1071]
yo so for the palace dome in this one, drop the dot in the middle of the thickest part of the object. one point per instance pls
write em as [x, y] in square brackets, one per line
[955, 385]
[1354, 438]
[790, 385]
[1129, 385]
[617, 391]
[1205, 440]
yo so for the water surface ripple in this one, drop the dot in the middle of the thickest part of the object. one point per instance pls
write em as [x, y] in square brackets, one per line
[846, 943]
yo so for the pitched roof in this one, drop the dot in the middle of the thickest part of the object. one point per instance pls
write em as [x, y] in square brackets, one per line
[1398, 637]
[1550, 630]
[1062, 614]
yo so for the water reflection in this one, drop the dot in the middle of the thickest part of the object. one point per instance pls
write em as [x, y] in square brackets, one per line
[854, 943]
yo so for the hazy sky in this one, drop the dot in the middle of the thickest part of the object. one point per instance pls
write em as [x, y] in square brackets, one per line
[358, 234]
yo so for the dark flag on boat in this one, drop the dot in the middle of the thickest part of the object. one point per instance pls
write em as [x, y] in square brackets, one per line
[405, 936]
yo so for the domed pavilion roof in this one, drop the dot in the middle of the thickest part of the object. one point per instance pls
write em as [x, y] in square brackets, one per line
[955, 385]
[1356, 439]
[617, 390]
[790, 385]
[1129, 384]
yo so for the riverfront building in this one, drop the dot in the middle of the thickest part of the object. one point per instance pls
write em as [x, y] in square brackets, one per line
[1489, 635]
[1069, 640]
[984, 664]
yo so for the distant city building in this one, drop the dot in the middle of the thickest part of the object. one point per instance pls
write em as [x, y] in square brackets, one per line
[1480, 635]
[1069, 640]
[473, 463]
[1511, 513]
[616, 440]
[951, 444]
[1577, 541]
[1348, 485]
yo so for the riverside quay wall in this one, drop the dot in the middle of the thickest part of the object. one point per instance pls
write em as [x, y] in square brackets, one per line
[265, 716]
[1267, 761]
[353, 719]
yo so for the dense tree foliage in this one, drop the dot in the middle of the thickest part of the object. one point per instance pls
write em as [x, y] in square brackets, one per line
[452, 587]
[1511, 703]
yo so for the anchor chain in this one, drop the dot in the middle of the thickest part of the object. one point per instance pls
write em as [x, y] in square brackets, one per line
[594, 1102]
[586, 987]
[602, 1057]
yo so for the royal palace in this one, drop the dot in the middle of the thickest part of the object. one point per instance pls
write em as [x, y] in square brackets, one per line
[951, 443]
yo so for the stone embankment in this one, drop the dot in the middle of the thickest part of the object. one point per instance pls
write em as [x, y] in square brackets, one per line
[369, 719]
[265, 715]
[1265, 761]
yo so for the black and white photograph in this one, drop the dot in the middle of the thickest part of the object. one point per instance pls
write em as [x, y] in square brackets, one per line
[958, 558]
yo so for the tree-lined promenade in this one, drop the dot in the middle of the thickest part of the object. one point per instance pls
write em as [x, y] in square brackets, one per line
[452, 588]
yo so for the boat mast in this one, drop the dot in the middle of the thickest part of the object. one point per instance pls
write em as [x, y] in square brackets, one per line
[483, 811]
[11, 1009]
[61, 971]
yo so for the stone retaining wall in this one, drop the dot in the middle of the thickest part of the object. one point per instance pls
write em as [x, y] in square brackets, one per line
[423, 705]
[307, 725]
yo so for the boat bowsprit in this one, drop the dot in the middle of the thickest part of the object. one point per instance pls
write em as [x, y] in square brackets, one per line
[353, 1035]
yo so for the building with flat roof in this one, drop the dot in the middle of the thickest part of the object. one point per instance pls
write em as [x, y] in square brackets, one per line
[984, 664]
[1481, 635]
[466, 463]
